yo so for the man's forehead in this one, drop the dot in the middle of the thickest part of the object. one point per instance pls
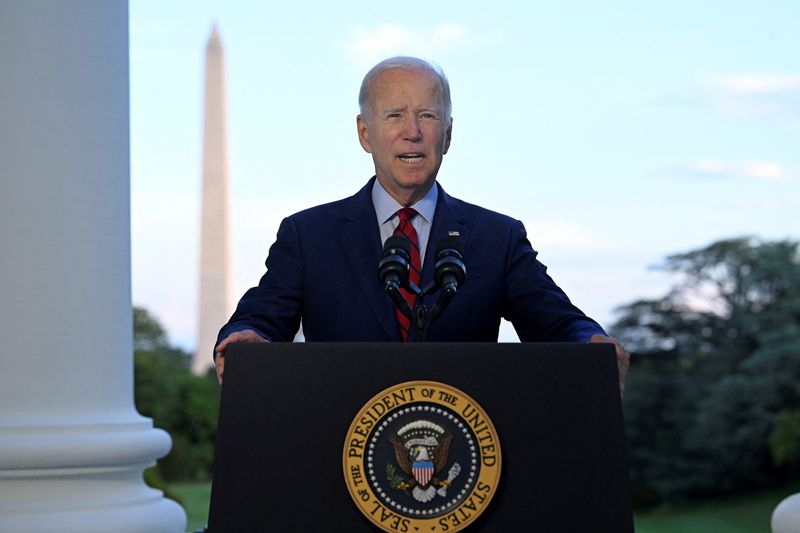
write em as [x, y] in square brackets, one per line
[407, 75]
[398, 83]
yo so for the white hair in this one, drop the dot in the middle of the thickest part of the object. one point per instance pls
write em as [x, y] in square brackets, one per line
[406, 63]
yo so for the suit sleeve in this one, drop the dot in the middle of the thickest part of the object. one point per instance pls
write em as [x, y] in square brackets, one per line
[534, 304]
[274, 308]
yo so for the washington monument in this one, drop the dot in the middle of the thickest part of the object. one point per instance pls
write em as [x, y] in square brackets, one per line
[213, 306]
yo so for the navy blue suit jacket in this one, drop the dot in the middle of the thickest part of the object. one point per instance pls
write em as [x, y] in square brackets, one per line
[323, 269]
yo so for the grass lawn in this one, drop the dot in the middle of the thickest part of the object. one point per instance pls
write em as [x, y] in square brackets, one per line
[740, 514]
[195, 498]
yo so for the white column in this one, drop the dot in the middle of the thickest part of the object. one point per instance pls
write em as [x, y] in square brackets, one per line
[72, 446]
[786, 516]
[214, 308]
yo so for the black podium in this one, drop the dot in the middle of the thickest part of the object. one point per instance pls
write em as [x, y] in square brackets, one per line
[286, 409]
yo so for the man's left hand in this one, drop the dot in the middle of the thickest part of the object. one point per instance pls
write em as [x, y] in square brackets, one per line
[623, 358]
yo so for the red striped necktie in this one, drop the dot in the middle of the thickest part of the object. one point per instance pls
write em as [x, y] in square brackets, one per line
[406, 229]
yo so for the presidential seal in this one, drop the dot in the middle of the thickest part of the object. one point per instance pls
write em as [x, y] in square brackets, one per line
[422, 456]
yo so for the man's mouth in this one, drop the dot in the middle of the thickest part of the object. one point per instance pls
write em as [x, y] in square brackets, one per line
[411, 157]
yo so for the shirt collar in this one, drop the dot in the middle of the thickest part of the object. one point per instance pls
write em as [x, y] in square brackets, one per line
[386, 206]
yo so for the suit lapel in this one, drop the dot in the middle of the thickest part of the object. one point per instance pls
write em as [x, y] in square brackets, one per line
[361, 242]
[449, 218]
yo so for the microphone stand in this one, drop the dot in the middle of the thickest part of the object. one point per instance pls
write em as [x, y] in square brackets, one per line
[450, 273]
[421, 317]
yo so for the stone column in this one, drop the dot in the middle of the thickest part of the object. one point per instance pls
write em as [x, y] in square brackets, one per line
[786, 516]
[72, 446]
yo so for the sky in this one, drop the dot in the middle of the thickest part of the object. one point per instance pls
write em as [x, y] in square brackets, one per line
[619, 132]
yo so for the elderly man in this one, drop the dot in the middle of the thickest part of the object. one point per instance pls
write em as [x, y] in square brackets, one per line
[322, 267]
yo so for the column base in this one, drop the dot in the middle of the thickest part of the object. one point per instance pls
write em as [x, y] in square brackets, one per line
[84, 479]
[786, 516]
[158, 515]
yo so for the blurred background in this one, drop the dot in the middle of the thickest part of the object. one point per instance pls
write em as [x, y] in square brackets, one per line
[650, 150]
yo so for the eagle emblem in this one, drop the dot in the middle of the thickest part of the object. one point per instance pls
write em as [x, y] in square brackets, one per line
[421, 456]
[421, 449]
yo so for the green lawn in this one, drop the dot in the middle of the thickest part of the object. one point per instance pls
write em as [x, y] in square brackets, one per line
[740, 514]
[195, 498]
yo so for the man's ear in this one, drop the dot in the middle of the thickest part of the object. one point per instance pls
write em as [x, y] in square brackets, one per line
[447, 136]
[363, 134]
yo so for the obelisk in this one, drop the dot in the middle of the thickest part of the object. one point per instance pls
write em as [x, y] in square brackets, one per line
[213, 304]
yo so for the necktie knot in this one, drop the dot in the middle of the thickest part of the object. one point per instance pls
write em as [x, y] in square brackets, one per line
[406, 214]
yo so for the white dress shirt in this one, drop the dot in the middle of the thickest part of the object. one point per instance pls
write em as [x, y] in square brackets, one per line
[386, 209]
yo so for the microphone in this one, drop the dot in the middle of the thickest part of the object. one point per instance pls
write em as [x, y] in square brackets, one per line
[393, 271]
[449, 272]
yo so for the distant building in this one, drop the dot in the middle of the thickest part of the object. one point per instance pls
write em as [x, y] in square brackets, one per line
[213, 302]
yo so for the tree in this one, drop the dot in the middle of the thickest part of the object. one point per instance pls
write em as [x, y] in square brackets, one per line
[148, 335]
[715, 367]
[184, 405]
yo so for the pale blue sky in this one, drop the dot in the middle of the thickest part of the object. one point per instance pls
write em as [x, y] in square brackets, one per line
[619, 132]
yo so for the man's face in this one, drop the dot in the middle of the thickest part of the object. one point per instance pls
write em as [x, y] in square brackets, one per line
[406, 132]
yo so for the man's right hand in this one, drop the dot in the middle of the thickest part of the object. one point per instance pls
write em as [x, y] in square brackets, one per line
[247, 335]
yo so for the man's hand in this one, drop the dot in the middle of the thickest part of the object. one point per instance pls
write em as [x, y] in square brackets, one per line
[623, 358]
[247, 335]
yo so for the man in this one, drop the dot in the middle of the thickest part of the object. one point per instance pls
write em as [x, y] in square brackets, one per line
[323, 266]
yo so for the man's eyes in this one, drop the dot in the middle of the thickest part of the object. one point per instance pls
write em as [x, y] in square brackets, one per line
[424, 116]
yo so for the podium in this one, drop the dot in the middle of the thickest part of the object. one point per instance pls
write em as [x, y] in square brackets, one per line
[287, 411]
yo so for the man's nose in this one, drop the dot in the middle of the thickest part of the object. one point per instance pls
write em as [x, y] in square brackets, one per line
[411, 129]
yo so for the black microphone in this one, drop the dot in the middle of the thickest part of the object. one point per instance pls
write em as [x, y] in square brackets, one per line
[393, 271]
[449, 272]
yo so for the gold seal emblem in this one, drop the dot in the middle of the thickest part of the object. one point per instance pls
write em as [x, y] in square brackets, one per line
[421, 456]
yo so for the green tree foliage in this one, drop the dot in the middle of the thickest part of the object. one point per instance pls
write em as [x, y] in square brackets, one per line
[712, 400]
[785, 439]
[184, 405]
[148, 335]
